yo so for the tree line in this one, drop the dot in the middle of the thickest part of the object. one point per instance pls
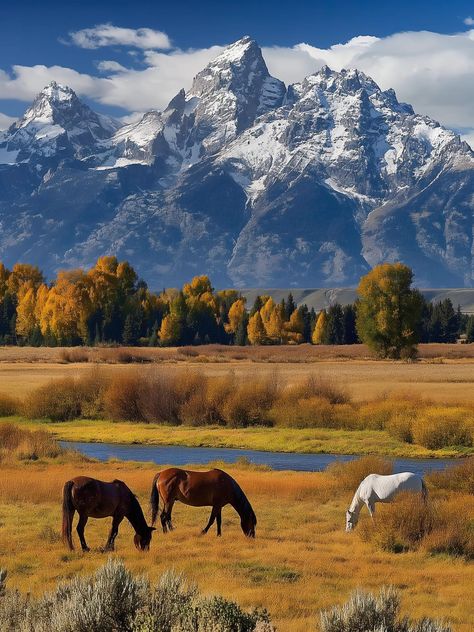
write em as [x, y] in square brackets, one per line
[110, 304]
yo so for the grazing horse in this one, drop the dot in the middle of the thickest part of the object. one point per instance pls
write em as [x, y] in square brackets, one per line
[201, 489]
[95, 499]
[377, 488]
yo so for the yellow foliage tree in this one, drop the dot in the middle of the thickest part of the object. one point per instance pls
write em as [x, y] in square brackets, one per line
[319, 333]
[274, 326]
[295, 327]
[24, 273]
[236, 314]
[256, 330]
[67, 308]
[25, 312]
[170, 330]
[198, 286]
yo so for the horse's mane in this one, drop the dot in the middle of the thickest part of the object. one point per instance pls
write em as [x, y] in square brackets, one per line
[136, 515]
[242, 502]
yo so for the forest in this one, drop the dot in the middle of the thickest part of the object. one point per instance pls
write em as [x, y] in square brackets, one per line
[109, 304]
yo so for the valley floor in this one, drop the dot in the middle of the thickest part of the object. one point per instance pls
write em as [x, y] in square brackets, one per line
[302, 559]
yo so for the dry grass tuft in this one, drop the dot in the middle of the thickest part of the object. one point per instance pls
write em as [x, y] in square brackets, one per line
[26, 445]
[8, 405]
[459, 478]
[351, 473]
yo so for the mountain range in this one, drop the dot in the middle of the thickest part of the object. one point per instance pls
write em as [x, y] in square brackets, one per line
[242, 178]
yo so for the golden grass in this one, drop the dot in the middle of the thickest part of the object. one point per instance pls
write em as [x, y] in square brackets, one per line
[446, 381]
[301, 561]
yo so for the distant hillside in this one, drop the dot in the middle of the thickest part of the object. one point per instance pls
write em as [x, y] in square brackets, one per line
[323, 298]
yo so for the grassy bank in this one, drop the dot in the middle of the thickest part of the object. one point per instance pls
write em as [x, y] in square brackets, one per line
[301, 560]
[309, 441]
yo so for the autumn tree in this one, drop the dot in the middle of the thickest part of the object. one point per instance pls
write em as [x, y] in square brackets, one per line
[26, 321]
[389, 311]
[256, 330]
[235, 316]
[295, 327]
[320, 330]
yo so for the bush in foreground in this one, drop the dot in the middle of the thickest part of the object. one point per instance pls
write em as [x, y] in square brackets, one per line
[113, 599]
[365, 612]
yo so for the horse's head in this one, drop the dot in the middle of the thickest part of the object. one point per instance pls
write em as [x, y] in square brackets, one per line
[142, 540]
[351, 520]
[248, 524]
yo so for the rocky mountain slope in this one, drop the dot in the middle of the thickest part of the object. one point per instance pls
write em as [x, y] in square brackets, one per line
[244, 179]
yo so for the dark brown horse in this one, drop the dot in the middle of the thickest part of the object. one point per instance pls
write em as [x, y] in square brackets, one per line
[95, 499]
[201, 489]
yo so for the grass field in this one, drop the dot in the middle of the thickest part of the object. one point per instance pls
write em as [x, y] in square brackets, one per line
[444, 374]
[310, 441]
[302, 559]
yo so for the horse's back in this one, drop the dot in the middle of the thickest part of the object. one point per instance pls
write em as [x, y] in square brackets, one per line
[194, 487]
[385, 486]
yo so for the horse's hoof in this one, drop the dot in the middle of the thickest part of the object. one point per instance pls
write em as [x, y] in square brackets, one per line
[85, 549]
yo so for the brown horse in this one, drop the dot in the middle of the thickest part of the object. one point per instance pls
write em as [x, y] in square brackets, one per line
[201, 489]
[95, 499]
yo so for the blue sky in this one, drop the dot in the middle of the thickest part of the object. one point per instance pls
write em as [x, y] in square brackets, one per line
[425, 50]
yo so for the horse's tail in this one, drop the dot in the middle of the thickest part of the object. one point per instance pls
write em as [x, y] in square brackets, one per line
[68, 513]
[154, 499]
[424, 491]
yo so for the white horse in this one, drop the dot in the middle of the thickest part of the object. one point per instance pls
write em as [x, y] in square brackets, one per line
[376, 488]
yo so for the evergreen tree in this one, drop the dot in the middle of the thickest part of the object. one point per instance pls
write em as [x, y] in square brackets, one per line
[470, 328]
[290, 306]
[335, 325]
[240, 337]
[257, 306]
[349, 322]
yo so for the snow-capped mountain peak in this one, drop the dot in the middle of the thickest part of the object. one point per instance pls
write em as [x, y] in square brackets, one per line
[242, 178]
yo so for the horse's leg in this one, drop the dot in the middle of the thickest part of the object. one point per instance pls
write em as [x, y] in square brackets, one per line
[168, 517]
[219, 521]
[116, 520]
[80, 531]
[371, 508]
[212, 517]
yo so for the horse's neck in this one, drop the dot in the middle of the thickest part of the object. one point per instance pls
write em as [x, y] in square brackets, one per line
[136, 518]
[356, 503]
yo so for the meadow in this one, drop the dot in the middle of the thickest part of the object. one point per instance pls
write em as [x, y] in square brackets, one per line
[302, 560]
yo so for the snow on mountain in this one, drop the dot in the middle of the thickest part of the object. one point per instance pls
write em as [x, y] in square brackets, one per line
[57, 123]
[243, 178]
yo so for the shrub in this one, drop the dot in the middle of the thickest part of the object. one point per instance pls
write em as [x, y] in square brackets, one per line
[436, 427]
[365, 612]
[76, 354]
[453, 531]
[314, 412]
[350, 474]
[57, 400]
[400, 426]
[379, 414]
[250, 402]
[19, 443]
[122, 397]
[67, 398]
[8, 405]
[113, 599]
[458, 478]
[402, 525]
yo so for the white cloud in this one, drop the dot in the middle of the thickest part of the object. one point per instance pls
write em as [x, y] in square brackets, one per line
[6, 121]
[469, 21]
[110, 66]
[433, 72]
[111, 35]
[469, 137]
